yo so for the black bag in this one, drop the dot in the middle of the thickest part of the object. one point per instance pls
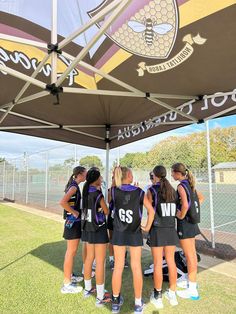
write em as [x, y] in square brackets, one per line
[193, 213]
[180, 262]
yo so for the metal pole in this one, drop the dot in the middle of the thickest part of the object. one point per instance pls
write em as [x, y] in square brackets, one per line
[75, 155]
[13, 182]
[210, 185]
[107, 160]
[3, 179]
[27, 178]
[54, 41]
[46, 182]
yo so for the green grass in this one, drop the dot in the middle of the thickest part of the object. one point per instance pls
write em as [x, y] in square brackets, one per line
[32, 252]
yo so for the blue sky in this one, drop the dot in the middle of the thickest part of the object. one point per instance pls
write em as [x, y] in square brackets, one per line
[14, 145]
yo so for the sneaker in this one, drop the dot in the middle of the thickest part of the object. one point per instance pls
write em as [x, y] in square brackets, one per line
[189, 294]
[182, 282]
[70, 288]
[106, 299]
[171, 296]
[88, 293]
[76, 279]
[116, 304]
[156, 299]
[138, 309]
[112, 264]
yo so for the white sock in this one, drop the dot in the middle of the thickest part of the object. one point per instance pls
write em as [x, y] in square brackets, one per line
[67, 284]
[138, 301]
[192, 285]
[100, 291]
[111, 258]
[171, 292]
[88, 284]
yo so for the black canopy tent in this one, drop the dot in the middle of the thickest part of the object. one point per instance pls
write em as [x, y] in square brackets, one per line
[163, 64]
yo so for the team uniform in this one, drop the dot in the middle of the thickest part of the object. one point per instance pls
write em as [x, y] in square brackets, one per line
[94, 221]
[128, 210]
[185, 228]
[74, 231]
[110, 216]
[163, 232]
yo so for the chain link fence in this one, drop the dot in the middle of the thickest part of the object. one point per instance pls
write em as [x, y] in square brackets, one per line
[39, 180]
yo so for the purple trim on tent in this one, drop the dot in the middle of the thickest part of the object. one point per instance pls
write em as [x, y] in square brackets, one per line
[8, 30]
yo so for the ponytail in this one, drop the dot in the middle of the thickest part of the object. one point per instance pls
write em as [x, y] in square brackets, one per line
[76, 171]
[167, 192]
[120, 174]
[190, 179]
[92, 175]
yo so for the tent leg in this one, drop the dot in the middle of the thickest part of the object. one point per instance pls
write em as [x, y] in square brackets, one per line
[107, 160]
[210, 185]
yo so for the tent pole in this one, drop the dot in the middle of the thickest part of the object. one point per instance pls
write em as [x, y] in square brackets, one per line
[107, 139]
[91, 22]
[54, 42]
[95, 38]
[210, 185]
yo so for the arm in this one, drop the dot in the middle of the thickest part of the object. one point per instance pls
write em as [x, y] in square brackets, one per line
[150, 212]
[200, 197]
[104, 206]
[184, 203]
[109, 195]
[65, 201]
[149, 196]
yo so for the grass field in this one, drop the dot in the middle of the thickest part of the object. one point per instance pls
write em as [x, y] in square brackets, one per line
[32, 252]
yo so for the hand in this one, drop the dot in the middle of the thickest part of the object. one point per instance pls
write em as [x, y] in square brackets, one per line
[75, 214]
[145, 228]
[179, 215]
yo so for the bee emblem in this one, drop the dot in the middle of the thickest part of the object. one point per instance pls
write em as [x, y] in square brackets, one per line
[150, 29]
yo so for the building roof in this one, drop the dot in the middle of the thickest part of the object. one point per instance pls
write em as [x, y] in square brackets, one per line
[225, 165]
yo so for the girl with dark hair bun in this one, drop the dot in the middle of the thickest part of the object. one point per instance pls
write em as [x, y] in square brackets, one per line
[72, 229]
[95, 234]
[163, 235]
[189, 201]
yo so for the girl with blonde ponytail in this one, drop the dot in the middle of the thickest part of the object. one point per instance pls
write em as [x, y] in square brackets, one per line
[128, 201]
[187, 230]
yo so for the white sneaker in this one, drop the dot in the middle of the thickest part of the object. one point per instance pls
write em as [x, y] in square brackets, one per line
[171, 296]
[76, 279]
[70, 288]
[157, 302]
[182, 282]
[189, 294]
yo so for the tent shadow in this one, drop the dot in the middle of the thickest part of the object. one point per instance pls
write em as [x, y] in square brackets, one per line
[52, 253]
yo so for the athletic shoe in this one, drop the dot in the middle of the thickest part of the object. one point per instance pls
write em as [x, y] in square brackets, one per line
[76, 279]
[106, 299]
[182, 282]
[116, 304]
[70, 288]
[156, 299]
[171, 296]
[88, 293]
[138, 309]
[112, 264]
[189, 294]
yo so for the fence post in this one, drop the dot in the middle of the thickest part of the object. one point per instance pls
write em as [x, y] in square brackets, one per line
[13, 182]
[27, 178]
[46, 182]
[3, 179]
[75, 155]
[210, 185]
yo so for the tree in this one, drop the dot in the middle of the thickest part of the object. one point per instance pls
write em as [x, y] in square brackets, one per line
[91, 161]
